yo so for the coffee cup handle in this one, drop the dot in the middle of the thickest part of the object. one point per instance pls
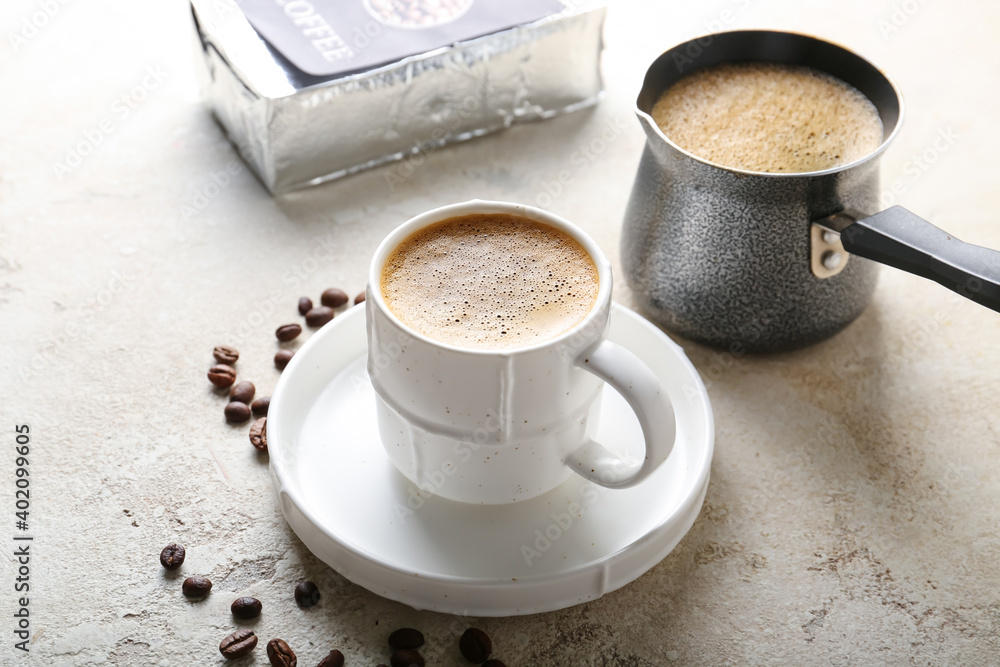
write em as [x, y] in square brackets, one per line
[642, 390]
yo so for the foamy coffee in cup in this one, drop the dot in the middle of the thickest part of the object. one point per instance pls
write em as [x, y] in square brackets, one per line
[769, 117]
[490, 281]
[488, 351]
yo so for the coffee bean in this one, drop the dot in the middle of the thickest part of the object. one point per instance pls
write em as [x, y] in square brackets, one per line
[225, 355]
[258, 434]
[237, 413]
[475, 645]
[221, 375]
[405, 657]
[406, 638]
[172, 556]
[281, 359]
[359, 299]
[242, 392]
[334, 298]
[305, 305]
[493, 662]
[238, 644]
[259, 407]
[280, 655]
[196, 587]
[319, 316]
[245, 607]
[333, 659]
[306, 594]
[287, 332]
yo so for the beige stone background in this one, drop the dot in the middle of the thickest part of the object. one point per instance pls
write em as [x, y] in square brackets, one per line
[852, 515]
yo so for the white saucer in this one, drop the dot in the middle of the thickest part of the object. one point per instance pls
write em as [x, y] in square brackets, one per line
[350, 506]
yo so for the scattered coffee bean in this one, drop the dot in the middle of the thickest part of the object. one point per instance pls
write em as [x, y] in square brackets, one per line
[333, 659]
[242, 392]
[334, 298]
[319, 316]
[225, 355]
[237, 413]
[306, 594]
[172, 556]
[475, 645]
[281, 359]
[287, 332]
[493, 662]
[405, 657]
[359, 299]
[196, 587]
[246, 607]
[406, 638]
[305, 305]
[258, 434]
[259, 407]
[221, 375]
[238, 644]
[280, 655]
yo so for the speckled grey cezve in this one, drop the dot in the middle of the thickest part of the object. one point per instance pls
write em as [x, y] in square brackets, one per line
[722, 256]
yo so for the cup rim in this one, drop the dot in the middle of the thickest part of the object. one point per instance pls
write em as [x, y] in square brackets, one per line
[648, 119]
[397, 235]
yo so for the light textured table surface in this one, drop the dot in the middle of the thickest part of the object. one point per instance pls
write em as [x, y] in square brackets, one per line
[852, 516]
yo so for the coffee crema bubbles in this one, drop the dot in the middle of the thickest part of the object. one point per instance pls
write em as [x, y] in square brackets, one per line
[490, 281]
[769, 117]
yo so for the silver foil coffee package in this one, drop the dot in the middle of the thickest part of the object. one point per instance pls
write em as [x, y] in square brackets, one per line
[313, 90]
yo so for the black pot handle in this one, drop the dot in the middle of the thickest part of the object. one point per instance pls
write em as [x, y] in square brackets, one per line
[903, 239]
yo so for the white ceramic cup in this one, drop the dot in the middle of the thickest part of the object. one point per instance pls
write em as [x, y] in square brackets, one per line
[500, 426]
